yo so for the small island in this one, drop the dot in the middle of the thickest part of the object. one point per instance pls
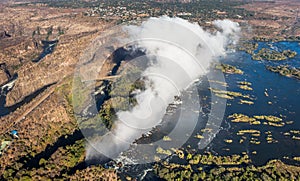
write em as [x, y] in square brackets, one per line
[273, 55]
[248, 47]
[285, 70]
[229, 69]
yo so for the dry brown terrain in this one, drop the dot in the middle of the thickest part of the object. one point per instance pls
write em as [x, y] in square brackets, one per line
[275, 19]
[21, 22]
[46, 118]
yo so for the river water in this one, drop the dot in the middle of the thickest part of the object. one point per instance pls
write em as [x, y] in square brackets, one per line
[283, 92]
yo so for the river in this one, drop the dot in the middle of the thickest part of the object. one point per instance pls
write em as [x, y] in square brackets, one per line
[284, 95]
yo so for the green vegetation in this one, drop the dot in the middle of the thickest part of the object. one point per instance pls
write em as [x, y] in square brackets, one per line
[248, 47]
[266, 119]
[245, 85]
[108, 115]
[286, 71]
[269, 118]
[79, 97]
[268, 54]
[167, 138]
[273, 170]
[121, 98]
[262, 39]
[194, 169]
[229, 69]
[198, 136]
[49, 32]
[277, 39]
[270, 138]
[94, 173]
[219, 82]
[46, 33]
[61, 161]
[4, 145]
[160, 150]
[253, 132]
[228, 94]
[294, 134]
[246, 102]
[60, 31]
[241, 118]
[228, 141]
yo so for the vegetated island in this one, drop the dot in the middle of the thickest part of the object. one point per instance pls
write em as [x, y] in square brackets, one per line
[285, 70]
[229, 69]
[273, 55]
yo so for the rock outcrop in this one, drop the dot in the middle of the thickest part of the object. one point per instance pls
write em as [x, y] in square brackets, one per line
[3, 77]
[19, 52]
[4, 74]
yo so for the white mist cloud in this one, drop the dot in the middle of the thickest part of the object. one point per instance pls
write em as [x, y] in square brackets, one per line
[180, 52]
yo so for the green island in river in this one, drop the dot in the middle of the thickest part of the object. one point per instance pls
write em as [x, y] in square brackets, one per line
[285, 71]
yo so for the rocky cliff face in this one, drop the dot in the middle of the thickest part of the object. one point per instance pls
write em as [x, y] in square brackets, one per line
[24, 46]
[3, 77]
[53, 68]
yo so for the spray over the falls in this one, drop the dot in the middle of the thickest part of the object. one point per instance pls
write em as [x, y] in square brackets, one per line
[179, 52]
